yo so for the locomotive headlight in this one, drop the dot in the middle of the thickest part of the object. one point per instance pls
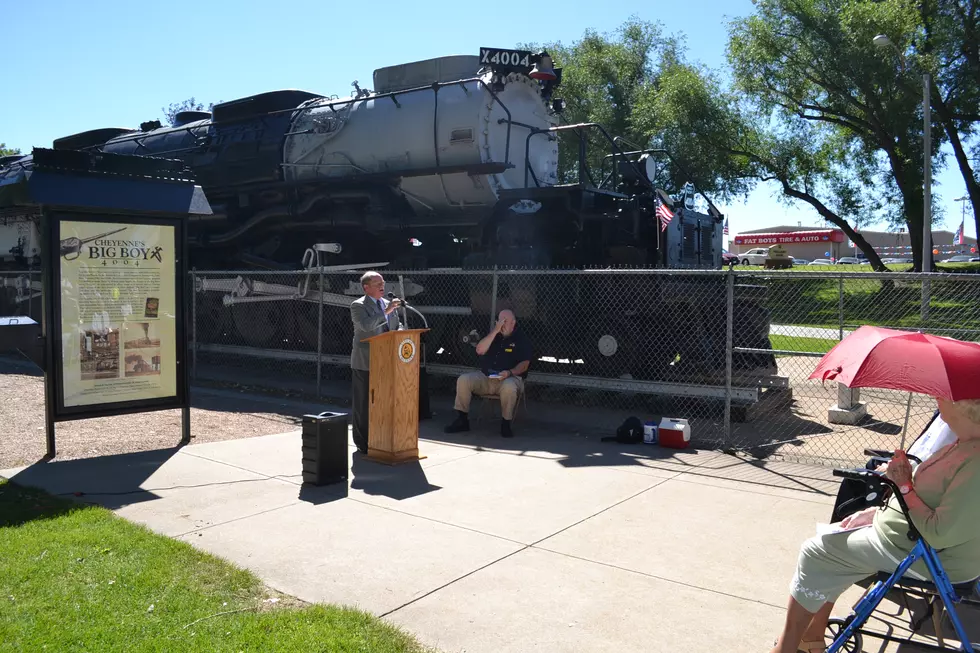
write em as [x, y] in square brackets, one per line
[649, 166]
[558, 105]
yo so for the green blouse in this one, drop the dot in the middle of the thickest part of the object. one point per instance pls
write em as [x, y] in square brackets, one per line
[945, 507]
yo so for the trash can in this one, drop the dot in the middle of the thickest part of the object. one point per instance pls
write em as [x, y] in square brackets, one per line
[325, 448]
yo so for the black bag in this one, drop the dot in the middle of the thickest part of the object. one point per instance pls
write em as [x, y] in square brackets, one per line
[854, 495]
[629, 432]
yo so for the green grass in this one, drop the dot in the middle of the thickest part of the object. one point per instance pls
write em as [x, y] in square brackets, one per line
[807, 300]
[78, 578]
[793, 343]
[947, 268]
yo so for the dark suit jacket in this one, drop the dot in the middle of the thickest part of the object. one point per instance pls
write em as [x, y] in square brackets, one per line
[368, 320]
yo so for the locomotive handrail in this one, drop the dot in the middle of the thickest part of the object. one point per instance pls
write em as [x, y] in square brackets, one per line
[684, 170]
[434, 86]
[582, 165]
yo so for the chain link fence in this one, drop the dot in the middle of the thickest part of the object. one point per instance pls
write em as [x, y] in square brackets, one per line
[812, 312]
[729, 350]
[20, 293]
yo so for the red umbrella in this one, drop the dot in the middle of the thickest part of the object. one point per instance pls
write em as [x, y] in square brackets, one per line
[873, 357]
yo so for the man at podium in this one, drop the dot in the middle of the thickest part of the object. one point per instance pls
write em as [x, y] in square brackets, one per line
[505, 355]
[372, 315]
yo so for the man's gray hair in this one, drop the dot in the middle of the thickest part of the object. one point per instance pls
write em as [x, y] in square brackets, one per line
[368, 276]
[970, 409]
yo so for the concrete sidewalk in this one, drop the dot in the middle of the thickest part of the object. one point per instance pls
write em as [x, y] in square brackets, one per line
[541, 543]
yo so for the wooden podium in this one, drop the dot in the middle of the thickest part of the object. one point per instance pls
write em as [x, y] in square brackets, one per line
[393, 397]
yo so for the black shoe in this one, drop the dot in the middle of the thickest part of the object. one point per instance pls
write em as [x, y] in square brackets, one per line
[505, 429]
[461, 423]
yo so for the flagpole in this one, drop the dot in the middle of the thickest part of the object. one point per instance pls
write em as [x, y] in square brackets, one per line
[962, 231]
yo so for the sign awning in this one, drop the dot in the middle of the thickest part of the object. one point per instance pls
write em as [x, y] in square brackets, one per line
[790, 237]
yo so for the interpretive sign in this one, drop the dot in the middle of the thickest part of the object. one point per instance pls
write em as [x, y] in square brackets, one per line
[118, 314]
[118, 309]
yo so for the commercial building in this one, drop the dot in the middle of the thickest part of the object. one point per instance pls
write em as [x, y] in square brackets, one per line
[819, 242]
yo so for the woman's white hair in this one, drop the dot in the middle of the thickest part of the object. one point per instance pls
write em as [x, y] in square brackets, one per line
[970, 408]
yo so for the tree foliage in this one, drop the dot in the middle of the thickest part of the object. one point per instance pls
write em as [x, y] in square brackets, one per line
[190, 104]
[816, 61]
[618, 80]
[6, 151]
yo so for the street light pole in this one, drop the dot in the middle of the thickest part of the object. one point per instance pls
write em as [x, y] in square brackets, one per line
[926, 193]
[883, 41]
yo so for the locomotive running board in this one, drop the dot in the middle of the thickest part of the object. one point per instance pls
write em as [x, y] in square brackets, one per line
[739, 394]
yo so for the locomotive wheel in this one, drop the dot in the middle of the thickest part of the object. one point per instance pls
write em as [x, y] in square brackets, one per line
[610, 353]
[337, 329]
[464, 344]
[211, 321]
[262, 324]
[7, 304]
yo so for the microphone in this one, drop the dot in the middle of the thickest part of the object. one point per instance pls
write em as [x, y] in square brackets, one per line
[391, 296]
[404, 319]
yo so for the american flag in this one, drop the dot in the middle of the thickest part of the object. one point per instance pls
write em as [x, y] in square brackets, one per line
[725, 230]
[959, 239]
[664, 214]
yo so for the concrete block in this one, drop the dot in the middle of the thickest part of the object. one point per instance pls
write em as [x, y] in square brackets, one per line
[851, 415]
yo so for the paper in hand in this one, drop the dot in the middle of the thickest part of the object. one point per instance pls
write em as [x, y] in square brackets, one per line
[828, 529]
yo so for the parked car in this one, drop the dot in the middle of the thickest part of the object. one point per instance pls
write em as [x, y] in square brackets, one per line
[755, 256]
[727, 258]
[896, 260]
[800, 261]
[822, 261]
[960, 258]
[850, 260]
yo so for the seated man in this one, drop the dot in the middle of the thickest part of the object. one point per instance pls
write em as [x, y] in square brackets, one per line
[505, 355]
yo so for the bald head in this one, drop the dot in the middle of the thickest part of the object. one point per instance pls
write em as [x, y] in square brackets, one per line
[373, 284]
[509, 321]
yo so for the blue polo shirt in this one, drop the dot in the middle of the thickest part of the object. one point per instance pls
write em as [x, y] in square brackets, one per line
[505, 352]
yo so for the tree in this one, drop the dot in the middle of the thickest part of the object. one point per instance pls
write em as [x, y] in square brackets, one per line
[811, 162]
[607, 79]
[6, 151]
[950, 47]
[170, 113]
[815, 61]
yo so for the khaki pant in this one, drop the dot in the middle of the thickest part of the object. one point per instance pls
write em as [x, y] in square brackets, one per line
[473, 383]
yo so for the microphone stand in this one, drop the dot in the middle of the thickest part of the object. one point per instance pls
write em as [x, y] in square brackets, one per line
[424, 410]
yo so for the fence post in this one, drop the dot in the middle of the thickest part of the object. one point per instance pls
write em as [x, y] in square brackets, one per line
[493, 300]
[840, 307]
[194, 324]
[926, 291]
[729, 349]
[319, 331]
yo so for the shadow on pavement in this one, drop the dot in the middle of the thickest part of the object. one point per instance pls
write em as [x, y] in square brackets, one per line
[397, 482]
[110, 481]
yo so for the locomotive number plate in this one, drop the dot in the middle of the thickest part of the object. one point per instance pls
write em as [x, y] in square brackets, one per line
[505, 58]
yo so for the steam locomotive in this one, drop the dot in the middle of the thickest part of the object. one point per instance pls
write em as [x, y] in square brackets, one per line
[451, 162]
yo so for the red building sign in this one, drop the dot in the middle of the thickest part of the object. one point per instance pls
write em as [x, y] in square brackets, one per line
[790, 237]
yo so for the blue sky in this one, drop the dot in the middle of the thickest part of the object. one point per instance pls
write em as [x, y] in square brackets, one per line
[107, 63]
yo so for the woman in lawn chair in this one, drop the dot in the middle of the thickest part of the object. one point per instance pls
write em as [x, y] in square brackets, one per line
[943, 497]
